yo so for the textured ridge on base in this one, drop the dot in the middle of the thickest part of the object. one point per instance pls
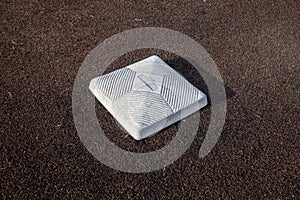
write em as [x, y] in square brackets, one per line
[115, 84]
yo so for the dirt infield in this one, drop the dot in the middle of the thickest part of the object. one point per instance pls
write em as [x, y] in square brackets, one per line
[255, 45]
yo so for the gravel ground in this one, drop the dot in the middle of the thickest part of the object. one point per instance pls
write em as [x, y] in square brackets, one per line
[255, 45]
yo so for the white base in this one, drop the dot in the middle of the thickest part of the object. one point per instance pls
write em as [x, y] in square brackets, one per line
[147, 96]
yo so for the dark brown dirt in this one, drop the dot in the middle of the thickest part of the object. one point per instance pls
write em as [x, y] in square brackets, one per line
[256, 45]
